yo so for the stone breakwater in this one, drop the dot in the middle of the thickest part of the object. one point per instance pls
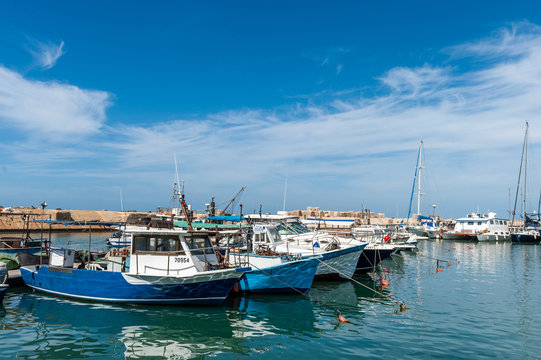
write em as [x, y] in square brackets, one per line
[14, 219]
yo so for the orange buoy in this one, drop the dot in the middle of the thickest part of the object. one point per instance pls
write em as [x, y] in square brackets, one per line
[342, 319]
[448, 264]
[403, 308]
[439, 270]
[384, 282]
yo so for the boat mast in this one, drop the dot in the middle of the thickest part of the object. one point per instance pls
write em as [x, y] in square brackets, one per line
[525, 167]
[412, 188]
[519, 174]
[285, 195]
[419, 182]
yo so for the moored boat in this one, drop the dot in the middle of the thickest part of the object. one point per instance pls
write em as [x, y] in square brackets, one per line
[481, 227]
[339, 255]
[163, 267]
[289, 277]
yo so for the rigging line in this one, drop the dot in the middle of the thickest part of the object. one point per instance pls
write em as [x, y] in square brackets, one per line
[400, 267]
[363, 285]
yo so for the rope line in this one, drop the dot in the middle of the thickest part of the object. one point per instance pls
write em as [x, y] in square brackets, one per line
[363, 285]
[297, 290]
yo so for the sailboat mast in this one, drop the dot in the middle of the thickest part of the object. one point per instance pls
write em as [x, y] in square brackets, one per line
[525, 167]
[419, 182]
[285, 195]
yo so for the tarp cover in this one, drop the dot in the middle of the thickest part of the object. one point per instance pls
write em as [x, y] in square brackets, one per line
[226, 218]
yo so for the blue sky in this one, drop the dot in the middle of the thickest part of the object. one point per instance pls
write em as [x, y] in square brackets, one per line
[97, 96]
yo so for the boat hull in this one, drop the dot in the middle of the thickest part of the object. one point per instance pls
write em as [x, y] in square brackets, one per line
[339, 264]
[287, 278]
[370, 258]
[3, 289]
[459, 237]
[209, 288]
[494, 237]
[525, 238]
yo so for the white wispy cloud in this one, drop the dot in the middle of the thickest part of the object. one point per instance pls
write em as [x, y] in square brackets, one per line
[50, 109]
[46, 54]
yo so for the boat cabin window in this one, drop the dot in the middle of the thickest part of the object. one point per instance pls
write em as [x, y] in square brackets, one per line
[470, 222]
[259, 237]
[274, 234]
[156, 244]
[199, 245]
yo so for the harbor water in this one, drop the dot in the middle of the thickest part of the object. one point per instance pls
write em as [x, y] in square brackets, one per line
[483, 304]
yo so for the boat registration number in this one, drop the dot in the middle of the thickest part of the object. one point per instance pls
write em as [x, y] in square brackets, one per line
[182, 259]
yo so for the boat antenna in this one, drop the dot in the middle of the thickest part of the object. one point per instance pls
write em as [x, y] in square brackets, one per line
[178, 187]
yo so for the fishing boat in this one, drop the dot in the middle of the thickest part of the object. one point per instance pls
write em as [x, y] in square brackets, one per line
[272, 274]
[163, 266]
[338, 256]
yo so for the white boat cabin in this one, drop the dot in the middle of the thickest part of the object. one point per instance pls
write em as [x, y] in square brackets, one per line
[476, 223]
[167, 252]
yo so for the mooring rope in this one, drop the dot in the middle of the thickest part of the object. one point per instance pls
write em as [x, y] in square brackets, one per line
[402, 307]
[341, 319]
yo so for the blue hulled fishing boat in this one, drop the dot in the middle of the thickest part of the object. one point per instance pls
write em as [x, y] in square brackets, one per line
[163, 266]
[283, 278]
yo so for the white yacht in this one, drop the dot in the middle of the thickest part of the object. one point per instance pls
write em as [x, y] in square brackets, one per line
[485, 227]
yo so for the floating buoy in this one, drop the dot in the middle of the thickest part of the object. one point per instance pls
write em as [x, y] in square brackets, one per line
[439, 270]
[403, 308]
[454, 248]
[67, 242]
[448, 264]
[384, 282]
[342, 319]
[458, 261]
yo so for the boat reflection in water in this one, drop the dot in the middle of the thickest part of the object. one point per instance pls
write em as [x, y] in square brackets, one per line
[58, 328]
[54, 327]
